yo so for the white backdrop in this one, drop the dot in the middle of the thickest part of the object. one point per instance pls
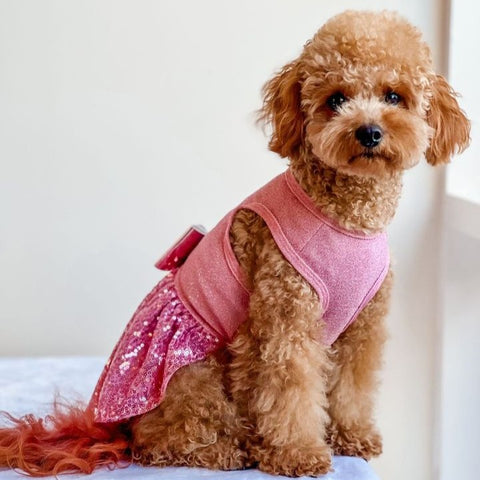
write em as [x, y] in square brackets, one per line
[460, 393]
[123, 122]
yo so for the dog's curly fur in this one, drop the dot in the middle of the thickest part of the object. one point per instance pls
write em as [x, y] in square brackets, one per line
[277, 398]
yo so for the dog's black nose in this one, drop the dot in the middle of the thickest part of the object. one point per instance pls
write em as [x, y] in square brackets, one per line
[369, 135]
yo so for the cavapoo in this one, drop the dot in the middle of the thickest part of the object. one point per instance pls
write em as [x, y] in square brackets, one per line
[262, 348]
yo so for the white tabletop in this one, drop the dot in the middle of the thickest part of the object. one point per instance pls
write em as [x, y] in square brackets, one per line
[28, 385]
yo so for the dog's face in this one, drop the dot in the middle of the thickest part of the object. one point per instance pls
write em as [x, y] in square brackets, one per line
[363, 98]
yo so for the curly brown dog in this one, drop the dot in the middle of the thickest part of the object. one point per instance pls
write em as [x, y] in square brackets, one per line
[360, 105]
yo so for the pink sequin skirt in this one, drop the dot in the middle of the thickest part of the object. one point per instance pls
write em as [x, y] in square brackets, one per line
[161, 337]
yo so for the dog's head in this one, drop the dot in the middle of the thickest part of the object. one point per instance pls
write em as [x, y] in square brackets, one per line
[363, 98]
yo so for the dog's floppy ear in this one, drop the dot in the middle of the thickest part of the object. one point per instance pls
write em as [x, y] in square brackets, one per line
[281, 108]
[451, 128]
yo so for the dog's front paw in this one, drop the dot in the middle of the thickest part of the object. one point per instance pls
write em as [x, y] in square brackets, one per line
[293, 461]
[355, 442]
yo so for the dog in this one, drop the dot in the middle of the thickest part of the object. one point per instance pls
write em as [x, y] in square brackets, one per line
[274, 325]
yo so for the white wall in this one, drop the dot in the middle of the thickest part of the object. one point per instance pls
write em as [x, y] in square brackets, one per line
[463, 178]
[460, 393]
[460, 387]
[123, 122]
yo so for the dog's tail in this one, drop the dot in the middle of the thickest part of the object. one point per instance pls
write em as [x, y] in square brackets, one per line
[69, 440]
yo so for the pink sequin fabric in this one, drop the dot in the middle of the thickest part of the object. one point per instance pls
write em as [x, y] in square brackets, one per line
[161, 337]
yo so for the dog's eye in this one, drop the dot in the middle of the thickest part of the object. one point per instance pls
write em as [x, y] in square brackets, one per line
[393, 98]
[336, 100]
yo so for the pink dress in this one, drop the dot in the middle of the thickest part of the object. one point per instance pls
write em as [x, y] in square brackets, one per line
[161, 337]
[198, 308]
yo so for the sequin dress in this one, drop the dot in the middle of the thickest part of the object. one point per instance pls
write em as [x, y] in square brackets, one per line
[198, 309]
[161, 337]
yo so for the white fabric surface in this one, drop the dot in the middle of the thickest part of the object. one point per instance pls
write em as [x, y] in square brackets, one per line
[28, 385]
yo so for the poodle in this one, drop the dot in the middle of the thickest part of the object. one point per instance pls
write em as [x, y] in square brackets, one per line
[262, 349]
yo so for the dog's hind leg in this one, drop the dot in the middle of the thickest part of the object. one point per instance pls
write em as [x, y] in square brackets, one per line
[356, 357]
[195, 425]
